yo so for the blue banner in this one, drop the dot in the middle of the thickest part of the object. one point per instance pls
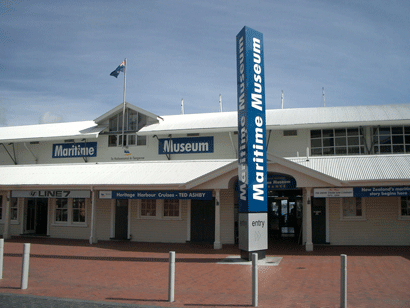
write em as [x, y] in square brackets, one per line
[155, 194]
[188, 145]
[64, 150]
[362, 192]
[280, 181]
[252, 172]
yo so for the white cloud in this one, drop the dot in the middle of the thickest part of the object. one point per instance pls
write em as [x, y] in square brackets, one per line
[49, 117]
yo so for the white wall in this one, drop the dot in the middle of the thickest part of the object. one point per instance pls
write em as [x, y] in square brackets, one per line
[381, 226]
[224, 148]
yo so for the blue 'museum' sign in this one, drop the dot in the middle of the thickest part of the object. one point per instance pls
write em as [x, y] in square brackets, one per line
[188, 145]
[251, 122]
[64, 150]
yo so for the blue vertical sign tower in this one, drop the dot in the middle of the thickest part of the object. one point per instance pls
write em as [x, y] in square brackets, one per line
[252, 174]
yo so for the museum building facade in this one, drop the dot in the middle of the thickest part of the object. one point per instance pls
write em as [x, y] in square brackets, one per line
[336, 175]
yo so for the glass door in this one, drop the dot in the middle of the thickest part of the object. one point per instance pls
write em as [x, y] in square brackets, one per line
[30, 216]
[287, 218]
[282, 217]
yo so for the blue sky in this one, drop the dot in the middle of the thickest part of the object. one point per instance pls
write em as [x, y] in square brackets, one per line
[56, 56]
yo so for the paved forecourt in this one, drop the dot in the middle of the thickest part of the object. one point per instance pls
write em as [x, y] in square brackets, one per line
[129, 273]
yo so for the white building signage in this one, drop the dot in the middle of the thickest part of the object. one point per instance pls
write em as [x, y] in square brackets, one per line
[333, 192]
[65, 150]
[188, 145]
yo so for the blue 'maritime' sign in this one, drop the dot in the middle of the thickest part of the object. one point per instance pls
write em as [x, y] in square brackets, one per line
[84, 149]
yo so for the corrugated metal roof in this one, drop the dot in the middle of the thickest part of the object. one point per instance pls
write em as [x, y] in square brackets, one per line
[360, 168]
[220, 122]
[177, 173]
[135, 173]
[54, 131]
[283, 118]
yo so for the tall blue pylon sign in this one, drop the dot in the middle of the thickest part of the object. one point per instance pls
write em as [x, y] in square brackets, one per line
[252, 174]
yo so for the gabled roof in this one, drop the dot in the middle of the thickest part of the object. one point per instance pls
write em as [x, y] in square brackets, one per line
[306, 171]
[119, 109]
[292, 118]
[49, 132]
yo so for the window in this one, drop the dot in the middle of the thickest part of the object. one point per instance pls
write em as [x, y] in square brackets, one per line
[352, 209]
[338, 141]
[148, 208]
[404, 208]
[287, 133]
[13, 209]
[134, 121]
[171, 208]
[61, 210]
[78, 210]
[70, 211]
[391, 139]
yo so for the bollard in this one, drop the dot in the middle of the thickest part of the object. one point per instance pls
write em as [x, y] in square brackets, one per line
[343, 281]
[171, 288]
[1, 257]
[25, 267]
[255, 280]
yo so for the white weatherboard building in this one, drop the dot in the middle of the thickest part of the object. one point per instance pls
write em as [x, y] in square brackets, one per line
[336, 175]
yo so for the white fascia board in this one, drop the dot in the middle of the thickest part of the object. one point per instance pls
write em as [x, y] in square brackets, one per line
[50, 132]
[202, 131]
[396, 182]
[330, 125]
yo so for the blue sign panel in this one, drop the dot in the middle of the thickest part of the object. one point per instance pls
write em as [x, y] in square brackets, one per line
[154, 194]
[281, 181]
[189, 145]
[362, 192]
[251, 122]
[64, 150]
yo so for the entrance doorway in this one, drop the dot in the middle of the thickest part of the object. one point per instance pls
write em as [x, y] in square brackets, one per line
[285, 214]
[203, 221]
[318, 220]
[121, 219]
[36, 216]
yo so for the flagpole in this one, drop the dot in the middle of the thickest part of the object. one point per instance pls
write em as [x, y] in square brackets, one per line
[123, 101]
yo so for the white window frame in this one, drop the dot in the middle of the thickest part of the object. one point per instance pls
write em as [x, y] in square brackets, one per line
[14, 221]
[3, 204]
[353, 218]
[127, 133]
[72, 212]
[157, 210]
[377, 138]
[70, 222]
[2, 207]
[403, 217]
[333, 140]
[179, 217]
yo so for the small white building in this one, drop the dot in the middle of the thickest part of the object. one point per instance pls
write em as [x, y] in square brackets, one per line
[336, 175]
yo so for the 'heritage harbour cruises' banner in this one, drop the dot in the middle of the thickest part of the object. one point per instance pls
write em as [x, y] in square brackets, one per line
[252, 173]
